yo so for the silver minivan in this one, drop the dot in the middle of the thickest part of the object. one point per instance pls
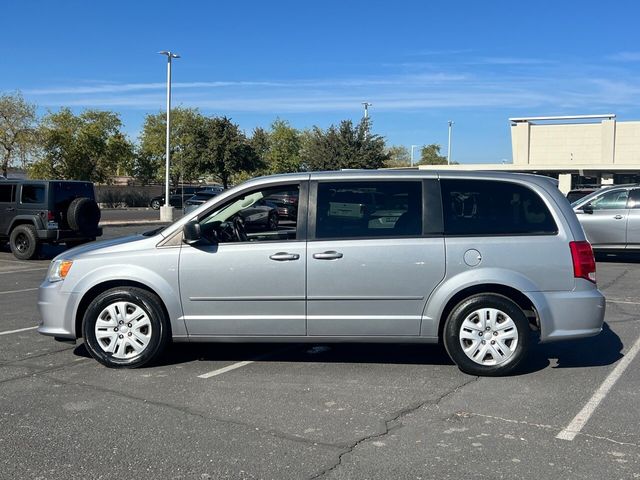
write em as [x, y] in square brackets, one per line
[487, 263]
[610, 217]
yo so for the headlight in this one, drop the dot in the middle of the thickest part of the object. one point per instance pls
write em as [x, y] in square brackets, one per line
[59, 270]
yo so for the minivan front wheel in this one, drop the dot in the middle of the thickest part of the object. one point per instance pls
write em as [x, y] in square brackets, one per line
[487, 335]
[125, 327]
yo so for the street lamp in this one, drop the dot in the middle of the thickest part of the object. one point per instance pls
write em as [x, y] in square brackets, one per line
[449, 147]
[166, 211]
[412, 147]
[366, 108]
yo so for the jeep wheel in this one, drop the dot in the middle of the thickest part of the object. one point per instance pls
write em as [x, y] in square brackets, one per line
[83, 215]
[24, 242]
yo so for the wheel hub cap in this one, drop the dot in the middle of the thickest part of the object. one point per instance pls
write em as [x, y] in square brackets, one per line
[488, 336]
[123, 329]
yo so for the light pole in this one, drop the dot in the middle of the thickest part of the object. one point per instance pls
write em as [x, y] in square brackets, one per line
[366, 108]
[166, 211]
[449, 147]
[412, 147]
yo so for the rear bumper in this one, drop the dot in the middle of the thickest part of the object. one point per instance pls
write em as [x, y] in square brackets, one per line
[567, 315]
[57, 311]
[70, 235]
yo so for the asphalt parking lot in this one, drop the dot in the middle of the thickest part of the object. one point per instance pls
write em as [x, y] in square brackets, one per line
[317, 411]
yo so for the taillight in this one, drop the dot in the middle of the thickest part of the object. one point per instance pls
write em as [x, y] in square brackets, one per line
[50, 216]
[584, 263]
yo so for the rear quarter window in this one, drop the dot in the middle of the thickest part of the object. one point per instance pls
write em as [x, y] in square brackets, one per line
[32, 194]
[487, 207]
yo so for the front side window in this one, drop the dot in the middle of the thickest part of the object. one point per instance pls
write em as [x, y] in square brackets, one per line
[32, 194]
[486, 207]
[7, 193]
[256, 216]
[611, 200]
[369, 209]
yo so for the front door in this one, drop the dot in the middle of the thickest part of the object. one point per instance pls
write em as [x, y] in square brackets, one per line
[604, 219]
[371, 263]
[247, 277]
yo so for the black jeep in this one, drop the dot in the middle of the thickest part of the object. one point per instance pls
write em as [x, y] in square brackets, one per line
[33, 212]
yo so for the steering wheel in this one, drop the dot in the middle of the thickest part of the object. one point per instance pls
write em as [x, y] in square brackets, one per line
[239, 230]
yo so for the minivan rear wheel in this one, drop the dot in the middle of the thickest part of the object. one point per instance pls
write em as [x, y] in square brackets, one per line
[125, 327]
[487, 335]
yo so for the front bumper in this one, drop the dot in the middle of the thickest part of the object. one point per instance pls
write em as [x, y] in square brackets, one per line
[568, 315]
[57, 310]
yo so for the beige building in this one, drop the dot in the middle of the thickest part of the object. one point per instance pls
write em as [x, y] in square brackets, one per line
[578, 150]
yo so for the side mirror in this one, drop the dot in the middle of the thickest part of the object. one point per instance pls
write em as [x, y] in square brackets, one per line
[588, 208]
[191, 232]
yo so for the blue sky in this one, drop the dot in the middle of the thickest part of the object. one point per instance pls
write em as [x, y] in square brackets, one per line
[421, 63]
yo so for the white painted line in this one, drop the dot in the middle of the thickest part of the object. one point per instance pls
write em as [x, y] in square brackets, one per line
[226, 369]
[19, 291]
[234, 366]
[579, 421]
[8, 332]
[623, 301]
[25, 270]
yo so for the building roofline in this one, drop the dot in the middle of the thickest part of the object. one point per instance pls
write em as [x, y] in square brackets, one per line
[609, 116]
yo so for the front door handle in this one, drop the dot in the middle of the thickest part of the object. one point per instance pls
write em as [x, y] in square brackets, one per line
[284, 256]
[331, 255]
[10, 209]
[618, 217]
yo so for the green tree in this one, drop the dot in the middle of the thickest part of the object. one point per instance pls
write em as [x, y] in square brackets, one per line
[227, 151]
[187, 142]
[430, 155]
[260, 141]
[89, 146]
[344, 146]
[399, 156]
[283, 155]
[17, 129]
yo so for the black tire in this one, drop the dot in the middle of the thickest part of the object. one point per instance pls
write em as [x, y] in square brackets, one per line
[155, 204]
[467, 309]
[83, 215]
[159, 331]
[24, 242]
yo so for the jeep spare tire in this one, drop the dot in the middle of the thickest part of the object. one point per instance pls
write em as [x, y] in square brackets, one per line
[83, 214]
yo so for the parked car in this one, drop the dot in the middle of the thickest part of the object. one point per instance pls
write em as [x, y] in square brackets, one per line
[484, 262]
[179, 195]
[33, 212]
[610, 217]
[198, 199]
[286, 203]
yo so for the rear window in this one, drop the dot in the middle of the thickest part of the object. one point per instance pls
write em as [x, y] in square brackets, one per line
[486, 207]
[67, 191]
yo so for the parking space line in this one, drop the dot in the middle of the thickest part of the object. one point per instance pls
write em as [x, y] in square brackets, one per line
[19, 291]
[24, 270]
[18, 330]
[244, 363]
[579, 421]
[627, 302]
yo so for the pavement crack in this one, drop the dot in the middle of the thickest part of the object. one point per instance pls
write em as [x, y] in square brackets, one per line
[389, 424]
[192, 412]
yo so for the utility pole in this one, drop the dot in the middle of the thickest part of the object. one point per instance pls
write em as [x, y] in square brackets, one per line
[166, 211]
[412, 147]
[449, 147]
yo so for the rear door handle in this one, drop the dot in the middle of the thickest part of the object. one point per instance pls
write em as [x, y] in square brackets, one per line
[10, 209]
[331, 255]
[618, 217]
[284, 256]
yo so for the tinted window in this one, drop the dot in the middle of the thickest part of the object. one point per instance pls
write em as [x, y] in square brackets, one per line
[65, 192]
[368, 209]
[634, 198]
[32, 194]
[611, 200]
[7, 193]
[485, 207]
